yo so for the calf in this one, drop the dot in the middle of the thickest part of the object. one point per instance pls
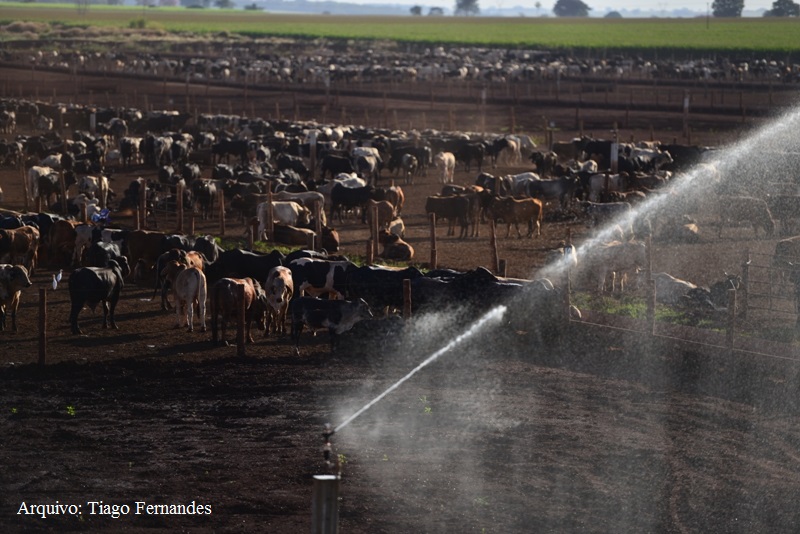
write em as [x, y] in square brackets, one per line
[225, 303]
[338, 316]
[514, 211]
[446, 163]
[279, 288]
[394, 248]
[91, 285]
[13, 278]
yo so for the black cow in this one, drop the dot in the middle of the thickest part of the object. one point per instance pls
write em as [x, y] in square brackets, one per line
[92, 285]
[350, 197]
[293, 163]
[466, 153]
[100, 254]
[204, 192]
[334, 165]
[378, 286]
[239, 263]
[455, 209]
[338, 316]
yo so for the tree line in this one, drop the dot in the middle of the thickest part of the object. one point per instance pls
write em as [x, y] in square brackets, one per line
[577, 8]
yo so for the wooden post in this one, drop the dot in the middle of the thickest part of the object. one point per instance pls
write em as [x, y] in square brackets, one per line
[251, 237]
[136, 219]
[493, 247]
[311, 243]
[270, 226]
[254, 224]
[84, 216]
[317, 210]
[406, 298]
[221, 200]
[374, 228]
[502, 268]
[191, 223]
[25, 189]
[432, 218]
[370, 251]
[746, 282]
[63, 184]
[143, 206]
[731, 332]
[42, 326]
[240, 323]
[179, 201]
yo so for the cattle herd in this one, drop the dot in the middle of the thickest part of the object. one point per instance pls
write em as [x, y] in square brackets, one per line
[302, 179]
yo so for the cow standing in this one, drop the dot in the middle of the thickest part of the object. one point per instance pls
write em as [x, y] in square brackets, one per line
[225, 304]
[13, 278]
[92, 285]
[279, 288]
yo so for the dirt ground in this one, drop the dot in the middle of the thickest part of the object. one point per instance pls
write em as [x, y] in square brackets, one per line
[589, 431]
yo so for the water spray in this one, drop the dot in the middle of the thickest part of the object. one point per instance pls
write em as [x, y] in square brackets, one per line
[324, 502]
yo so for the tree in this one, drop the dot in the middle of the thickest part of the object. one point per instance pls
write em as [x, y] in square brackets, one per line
[613, 15]
[571, 8]
[435, 12]
[223, 4]
[783, 8]
[467, 7]
[416, 10]
[538, 6]
[727, 8]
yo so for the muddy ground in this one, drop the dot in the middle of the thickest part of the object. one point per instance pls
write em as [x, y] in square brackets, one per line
[513, 431]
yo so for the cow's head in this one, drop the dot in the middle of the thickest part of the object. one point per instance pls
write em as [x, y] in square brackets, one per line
[18, 278]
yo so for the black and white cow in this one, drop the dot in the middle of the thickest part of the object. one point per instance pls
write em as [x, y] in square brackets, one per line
[338, 316]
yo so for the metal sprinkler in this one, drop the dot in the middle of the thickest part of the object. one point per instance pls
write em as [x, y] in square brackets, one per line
[325, 498]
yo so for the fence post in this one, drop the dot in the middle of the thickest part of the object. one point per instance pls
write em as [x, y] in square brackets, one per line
[179, 201]
[270, 226]
[731, 332]
[25, 189]
[240, 323]
[432, 218]
[746, 282]
[502, 268]
[493, 246]
[143, 206]
[42, 326]
[374, 228]
[63, 185]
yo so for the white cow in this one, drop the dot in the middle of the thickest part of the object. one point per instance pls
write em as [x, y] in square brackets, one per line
[283, 212]
[305, 198]
[446, 163]
[671, 290]
[616, 258]
[279, 288]
[94, 187]
[190, 290]
[599, 183]
[32, 181]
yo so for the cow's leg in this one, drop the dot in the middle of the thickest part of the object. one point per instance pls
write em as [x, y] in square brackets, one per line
[333, 336]
[14, 320]
[189, 304]
[112, 306]
[178, 315]
[201, 309]
[105, 314]
[77, 306]
[2, 318]
[297, 329]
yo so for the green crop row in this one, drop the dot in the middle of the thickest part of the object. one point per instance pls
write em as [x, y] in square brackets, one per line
[745, 34]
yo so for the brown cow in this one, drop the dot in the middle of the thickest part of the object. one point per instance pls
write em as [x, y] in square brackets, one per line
[20, 246]
[225, 302]
[514, 211]
[386, 212]
[394, 248]
[144, 248]
[13, 278]
[62, 242]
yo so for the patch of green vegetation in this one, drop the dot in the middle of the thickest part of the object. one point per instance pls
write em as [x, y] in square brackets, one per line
[776, 35]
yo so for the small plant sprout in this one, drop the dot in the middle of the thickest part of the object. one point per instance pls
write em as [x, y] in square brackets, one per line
[385, 457]
[342, 459]
[427, 410]
[71, 411]
[14, 411]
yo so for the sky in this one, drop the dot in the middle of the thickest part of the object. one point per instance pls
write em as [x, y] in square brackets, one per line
[599, 7]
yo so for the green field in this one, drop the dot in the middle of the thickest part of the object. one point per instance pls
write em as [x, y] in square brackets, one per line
[748, 34]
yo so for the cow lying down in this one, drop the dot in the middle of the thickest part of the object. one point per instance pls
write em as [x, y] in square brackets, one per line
[338, 316]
